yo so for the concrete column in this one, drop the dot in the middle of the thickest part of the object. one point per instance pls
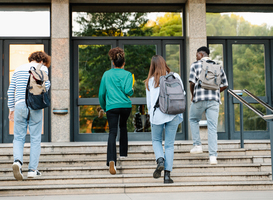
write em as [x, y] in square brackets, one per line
[195, 35]
[60, 76]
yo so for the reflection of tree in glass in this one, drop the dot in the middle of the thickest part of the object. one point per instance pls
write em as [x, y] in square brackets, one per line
[93, 62]
[138, 59]
[112, 24]
[234, 25]
[173, 57]
[216, 54]
[249, 73]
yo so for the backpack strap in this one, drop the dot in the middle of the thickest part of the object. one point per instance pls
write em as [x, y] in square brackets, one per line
[26, 97]
[156, 105]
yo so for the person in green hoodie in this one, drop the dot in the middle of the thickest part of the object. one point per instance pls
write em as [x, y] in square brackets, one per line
[115, 89]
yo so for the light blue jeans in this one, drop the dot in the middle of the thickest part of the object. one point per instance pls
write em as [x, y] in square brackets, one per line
[211, 108]
[20, 130]
[170, 133]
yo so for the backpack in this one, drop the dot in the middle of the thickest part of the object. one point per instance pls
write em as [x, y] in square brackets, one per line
[210, 76]
[36, 95]
[171, 98]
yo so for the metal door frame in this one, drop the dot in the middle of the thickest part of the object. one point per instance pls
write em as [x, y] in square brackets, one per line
[6, 138]
[227, 42]
[116, 41]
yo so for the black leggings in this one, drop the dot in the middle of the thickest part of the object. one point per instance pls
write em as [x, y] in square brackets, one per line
[114, 116]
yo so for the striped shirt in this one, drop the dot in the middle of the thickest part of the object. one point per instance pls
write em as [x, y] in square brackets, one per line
[199, 93]
[18, 84]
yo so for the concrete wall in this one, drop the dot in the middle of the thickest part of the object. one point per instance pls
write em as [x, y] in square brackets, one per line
[60, 76]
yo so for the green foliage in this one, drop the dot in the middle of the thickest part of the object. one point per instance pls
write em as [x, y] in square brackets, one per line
[112, 24]
[234, 25]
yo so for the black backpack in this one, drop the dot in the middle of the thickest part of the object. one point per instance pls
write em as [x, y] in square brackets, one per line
[171, 98]
[36, 95]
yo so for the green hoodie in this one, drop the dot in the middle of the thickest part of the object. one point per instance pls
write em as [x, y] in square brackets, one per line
[115, 87]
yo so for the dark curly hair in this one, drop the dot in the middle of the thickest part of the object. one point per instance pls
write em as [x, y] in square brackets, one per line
[117, 55]
[39, 56]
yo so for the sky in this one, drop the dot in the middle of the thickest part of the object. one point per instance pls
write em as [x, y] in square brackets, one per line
[38, 23]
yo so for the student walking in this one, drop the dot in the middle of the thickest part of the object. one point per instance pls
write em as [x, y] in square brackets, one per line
[205, 100]
[160, 121]
[19, 114]
[115, 88]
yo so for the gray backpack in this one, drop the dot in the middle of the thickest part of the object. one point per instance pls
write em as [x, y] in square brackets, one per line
[171, 98]
[210, 76]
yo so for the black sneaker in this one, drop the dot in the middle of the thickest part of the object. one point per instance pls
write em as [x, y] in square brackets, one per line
[17, 170]
[33, 173]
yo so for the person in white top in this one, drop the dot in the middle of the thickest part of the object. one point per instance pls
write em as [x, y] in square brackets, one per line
[19, 114]
[160, 121]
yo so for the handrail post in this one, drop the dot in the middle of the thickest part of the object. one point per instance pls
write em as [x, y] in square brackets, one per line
[271, 145]
[241, 121]
[241, 125]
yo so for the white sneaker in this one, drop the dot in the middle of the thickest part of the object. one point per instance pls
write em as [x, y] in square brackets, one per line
[196, 149]
[213, 160]
[33, 173]
[17, 171]
[112, 168]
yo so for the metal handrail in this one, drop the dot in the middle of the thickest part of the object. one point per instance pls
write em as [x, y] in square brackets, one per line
[265, 117]
[268, 118]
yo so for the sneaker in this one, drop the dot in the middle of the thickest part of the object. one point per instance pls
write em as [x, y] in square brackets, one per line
[122, 157]
[17, 170]
[33, 173]
[112, 168]
[213, 160]
[196, 149]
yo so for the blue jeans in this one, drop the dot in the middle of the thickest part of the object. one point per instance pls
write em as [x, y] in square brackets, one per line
[170, 133]
[211, 108]
[20, 130]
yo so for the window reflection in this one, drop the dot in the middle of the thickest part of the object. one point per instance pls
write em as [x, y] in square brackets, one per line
[126, 24]
[216, 54]
[18, 55]
[173, 57]
[93, 120]
[15, 20]
[239, 24]
[138, 60]
[93, 62]
[252, 122]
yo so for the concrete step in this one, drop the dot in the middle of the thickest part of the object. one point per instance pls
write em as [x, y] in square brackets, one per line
[98, 147]
[133, 188]
[204, 168]
[136, 154]
[196, 159]
[137, 178]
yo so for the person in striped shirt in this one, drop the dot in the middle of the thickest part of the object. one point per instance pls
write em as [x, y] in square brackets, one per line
[19, 113]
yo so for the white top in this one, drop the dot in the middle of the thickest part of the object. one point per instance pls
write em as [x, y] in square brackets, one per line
[158, 117]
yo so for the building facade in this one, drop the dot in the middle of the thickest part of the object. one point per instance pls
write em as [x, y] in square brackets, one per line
[79, 33]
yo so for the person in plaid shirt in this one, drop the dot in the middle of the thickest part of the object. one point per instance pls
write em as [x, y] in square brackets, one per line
[207, 101]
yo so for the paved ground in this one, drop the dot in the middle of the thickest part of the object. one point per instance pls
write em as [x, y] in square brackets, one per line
[231, 195]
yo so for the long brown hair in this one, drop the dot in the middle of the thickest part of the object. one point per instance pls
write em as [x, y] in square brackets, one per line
[158, 68]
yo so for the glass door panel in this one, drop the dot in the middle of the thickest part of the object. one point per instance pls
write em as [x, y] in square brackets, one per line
[138, 60]
[249, 68]
[248, 61]
[91, 60]
[216, 54]
[18, 55]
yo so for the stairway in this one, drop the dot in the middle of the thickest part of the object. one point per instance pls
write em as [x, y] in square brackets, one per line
[80, 168]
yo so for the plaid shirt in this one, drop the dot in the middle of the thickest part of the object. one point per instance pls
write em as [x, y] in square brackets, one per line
[201, 94]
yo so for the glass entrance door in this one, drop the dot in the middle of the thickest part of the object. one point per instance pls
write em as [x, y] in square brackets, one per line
[91, 61]
[15, 54]
[247, 65]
